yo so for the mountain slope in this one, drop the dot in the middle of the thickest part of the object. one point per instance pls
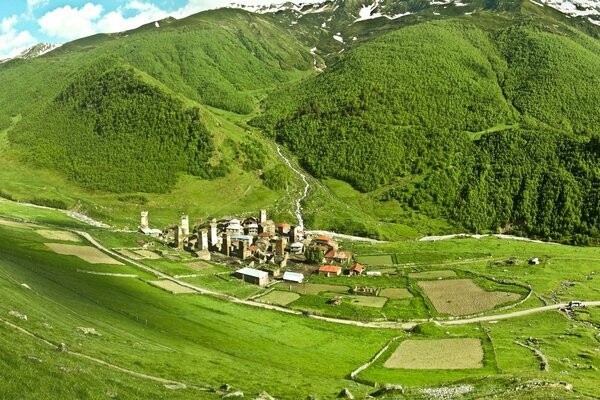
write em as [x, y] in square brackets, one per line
[431, 115]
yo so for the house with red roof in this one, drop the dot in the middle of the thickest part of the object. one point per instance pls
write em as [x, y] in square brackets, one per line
[330, 270]
[357, 269]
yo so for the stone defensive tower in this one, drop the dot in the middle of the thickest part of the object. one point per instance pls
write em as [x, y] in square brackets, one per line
[144, 220]
[263, 216]
[185, 225]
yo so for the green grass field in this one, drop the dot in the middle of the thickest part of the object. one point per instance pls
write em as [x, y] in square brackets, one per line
[205, 342]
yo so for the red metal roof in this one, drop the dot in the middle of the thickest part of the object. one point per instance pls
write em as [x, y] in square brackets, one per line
[253, 248]
[357, 267]
[330, 268]
[324, 238]
[330, 254]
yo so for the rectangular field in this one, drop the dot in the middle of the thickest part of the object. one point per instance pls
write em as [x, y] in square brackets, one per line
[86, 253]
[462, 296]
[279, 298]
[446, 273]
[367, 301]
[58, 235]
[395, 293]
[129, 254]
[313, 288]
[464, 353]
[378, 259]
[199, 265]
[148, 254]
[171, 286]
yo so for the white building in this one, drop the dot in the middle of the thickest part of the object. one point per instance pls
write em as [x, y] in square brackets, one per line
[289, 276]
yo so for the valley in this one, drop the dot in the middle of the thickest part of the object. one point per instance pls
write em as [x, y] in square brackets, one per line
[394, 200]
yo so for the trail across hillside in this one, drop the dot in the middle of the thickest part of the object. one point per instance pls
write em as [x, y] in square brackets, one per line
[406, 325]
[476, 236]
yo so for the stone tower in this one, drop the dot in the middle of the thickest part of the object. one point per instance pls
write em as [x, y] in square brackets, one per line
[226, 244]
[213, 238]
[202, 242]
[263, 216]
[280, 246]
[144, 220]
[185, 225]
[179, 238]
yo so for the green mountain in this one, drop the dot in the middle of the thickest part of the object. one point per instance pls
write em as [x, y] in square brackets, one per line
[478, 115]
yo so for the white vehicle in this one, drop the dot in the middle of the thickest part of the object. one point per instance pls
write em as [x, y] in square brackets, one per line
[575, 303]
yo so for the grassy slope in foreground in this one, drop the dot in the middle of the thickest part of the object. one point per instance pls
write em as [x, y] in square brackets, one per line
[203, 341]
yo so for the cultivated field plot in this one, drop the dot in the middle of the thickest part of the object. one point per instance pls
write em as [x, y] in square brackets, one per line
[314, 288]
[15, 224]
[379, 259]
[446, 273]
[58, 235]
[86, 253]
[199, 265]
[279, 297]
[367, 301]
[129, 254]
[395, 293]
[464, 353]
[171, 286]
[462, 296]
[148, 254]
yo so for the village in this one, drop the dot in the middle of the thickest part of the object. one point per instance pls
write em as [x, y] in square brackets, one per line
[268, 252]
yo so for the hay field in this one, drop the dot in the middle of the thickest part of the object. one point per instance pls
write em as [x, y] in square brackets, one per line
[279, 297]
[171, 286]
[15, 224]
[129, 254]
[464, 353]
[395, 293]
[148, 254]
[462, 296]
[86, 253]
[379, 259]
[58, 235]
[446, 273]
[314, 288]
[199, 265]
[367, 301]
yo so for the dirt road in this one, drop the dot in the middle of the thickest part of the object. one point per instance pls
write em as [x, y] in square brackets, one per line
[513, 314]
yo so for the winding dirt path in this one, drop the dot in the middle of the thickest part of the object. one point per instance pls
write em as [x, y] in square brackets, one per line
[405, 325]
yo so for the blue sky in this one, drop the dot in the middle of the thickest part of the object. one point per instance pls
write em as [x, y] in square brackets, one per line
[24, 23]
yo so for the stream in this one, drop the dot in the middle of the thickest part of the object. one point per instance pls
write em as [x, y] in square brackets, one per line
[306, 188]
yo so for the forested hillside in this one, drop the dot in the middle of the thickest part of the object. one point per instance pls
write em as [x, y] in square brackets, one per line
[110, 130]
[494, 129]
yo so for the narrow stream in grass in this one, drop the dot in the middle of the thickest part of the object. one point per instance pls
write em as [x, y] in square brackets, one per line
[306, 188]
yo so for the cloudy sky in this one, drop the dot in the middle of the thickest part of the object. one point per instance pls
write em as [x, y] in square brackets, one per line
[24, 23]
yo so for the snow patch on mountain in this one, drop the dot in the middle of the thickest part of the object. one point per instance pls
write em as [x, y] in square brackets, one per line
[368, 12]
[574, 8]
[34, 51]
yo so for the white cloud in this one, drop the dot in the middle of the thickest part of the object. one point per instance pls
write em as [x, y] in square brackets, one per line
[13, 42]
[67, 23]
[114, 21]
[32, 4]
[71, 23]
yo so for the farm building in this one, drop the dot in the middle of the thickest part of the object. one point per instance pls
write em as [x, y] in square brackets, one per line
[373, 273]
[251, 275]
[357, 269]
[330, 270]
[342, 257]
[293, 277]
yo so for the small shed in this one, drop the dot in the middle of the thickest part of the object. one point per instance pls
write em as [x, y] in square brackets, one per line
[330, 270]
[534, 261]
[373, 273]
[254, 276]
[293, 277]
[357, 269]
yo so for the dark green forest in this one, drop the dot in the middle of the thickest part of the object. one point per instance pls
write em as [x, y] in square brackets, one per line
[492, 129]
[109, 130]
